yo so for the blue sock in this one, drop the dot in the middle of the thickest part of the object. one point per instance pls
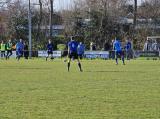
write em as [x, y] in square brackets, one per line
[68, 66]
[79, 66]
[116, 60]
[1, 55]
[123, 60]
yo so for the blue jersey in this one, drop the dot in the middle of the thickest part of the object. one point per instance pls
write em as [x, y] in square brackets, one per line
[117, 45]
[49, 47]
[19, 46]
[73, 46]
[127, 46]
[80, 49]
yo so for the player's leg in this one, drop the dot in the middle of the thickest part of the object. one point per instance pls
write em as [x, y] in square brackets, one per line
[19, 54]
[7, 54]
[4, 55]
[80, 56]
[69, 60]
[116, 53]
[47, 56]
[122, 60]
[128, 52]
[52, 56]
[122, 57]
[1, 54]
[79, 64]
[10, 54]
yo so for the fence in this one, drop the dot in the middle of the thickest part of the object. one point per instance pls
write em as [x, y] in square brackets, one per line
[95, 54]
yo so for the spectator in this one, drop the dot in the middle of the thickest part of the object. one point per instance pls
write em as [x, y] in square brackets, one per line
[112, 50]
[147, 46]
[128, 48]
[106, 46]
[80, 50]
[155, 46]
[92, 46]
[25, 51]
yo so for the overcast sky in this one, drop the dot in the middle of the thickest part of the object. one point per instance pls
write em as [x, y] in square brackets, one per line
[59, 4]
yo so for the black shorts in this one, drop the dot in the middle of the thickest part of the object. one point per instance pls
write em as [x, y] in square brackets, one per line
[9, 51]
[3, 52]
[75, 55]
[50, 52]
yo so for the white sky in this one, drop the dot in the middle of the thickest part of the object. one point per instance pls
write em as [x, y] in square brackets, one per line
[63, 4]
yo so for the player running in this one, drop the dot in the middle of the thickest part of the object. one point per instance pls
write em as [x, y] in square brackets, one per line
[3, 48]
[73, 52]
[19, 47]
[50, 50]
[9, 49]
[117, 46]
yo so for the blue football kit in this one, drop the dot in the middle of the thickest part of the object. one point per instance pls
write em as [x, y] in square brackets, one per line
[50, 50]
[73, 47]
[118, 50]
[19, 46]
[80, 49]
[117, 46]
[49, 47]
[73, 53]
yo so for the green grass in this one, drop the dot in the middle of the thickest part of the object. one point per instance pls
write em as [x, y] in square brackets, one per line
[36, 89]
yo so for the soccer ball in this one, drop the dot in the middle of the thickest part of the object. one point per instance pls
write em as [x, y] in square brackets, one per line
[64, 60]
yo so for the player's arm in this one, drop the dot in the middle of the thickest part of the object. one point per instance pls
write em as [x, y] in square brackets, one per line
[77, 49]
[113, 47]
[8, 45]
[68, 50]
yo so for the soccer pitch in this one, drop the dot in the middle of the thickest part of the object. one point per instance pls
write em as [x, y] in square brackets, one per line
[33, 89]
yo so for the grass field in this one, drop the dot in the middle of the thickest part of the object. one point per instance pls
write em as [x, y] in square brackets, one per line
[36, 89]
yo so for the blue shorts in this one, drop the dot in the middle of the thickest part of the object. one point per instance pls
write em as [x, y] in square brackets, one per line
[118, 52]
[19, 52]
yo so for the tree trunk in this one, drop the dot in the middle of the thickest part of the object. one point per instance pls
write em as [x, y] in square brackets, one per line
[51, 18]
[135, 12]
[40, 20]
